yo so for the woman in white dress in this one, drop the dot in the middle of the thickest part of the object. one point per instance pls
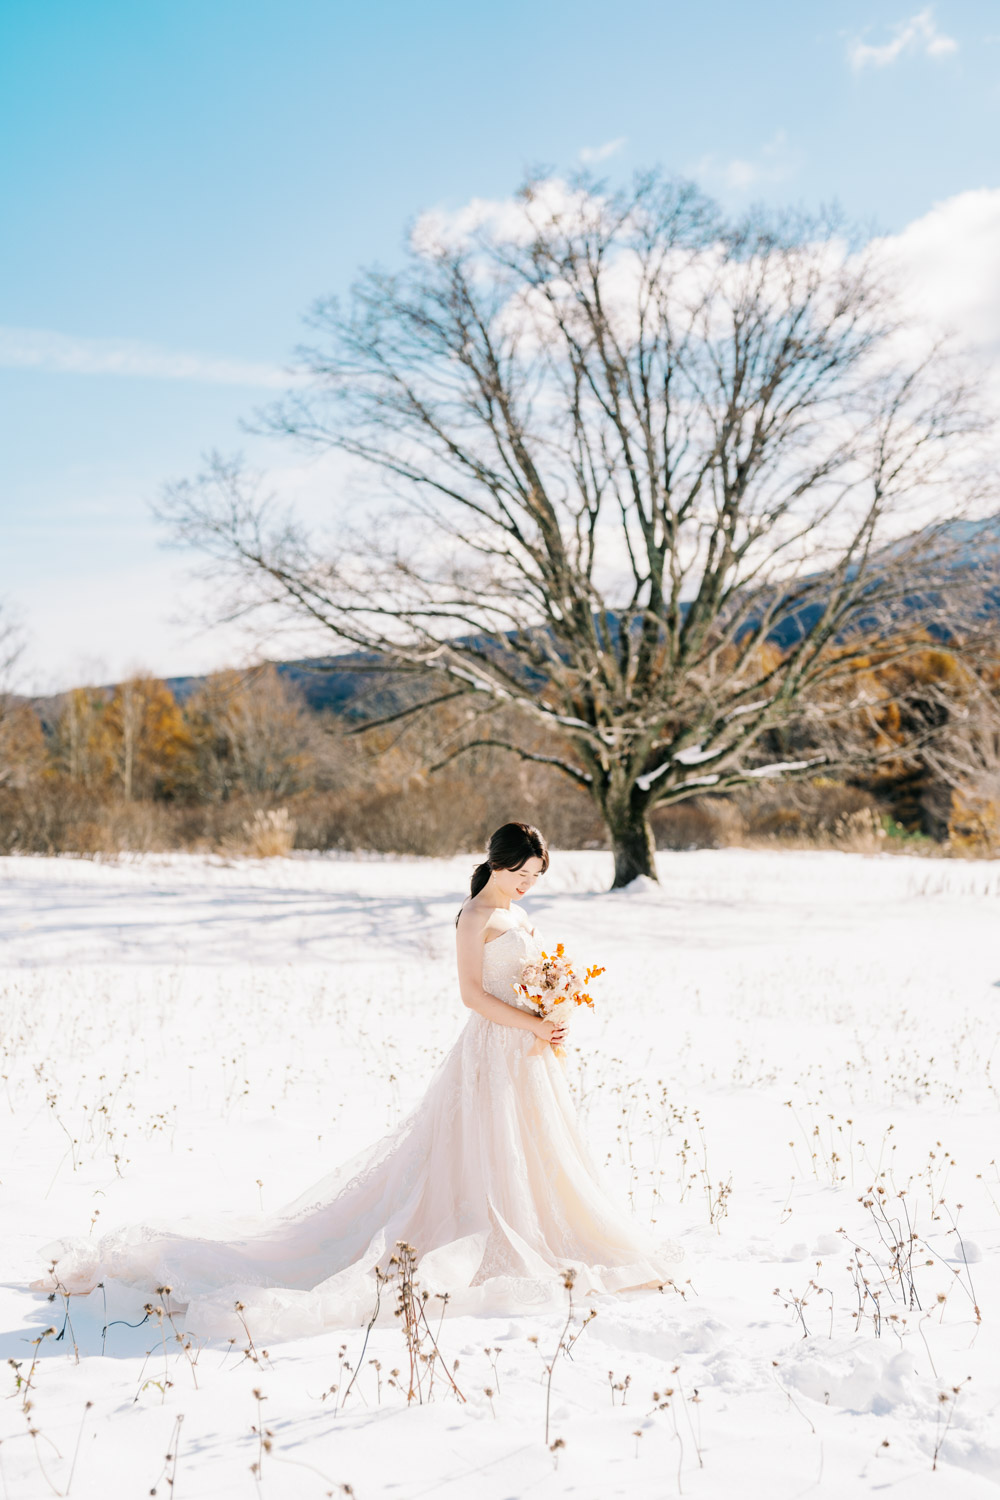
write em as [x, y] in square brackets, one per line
[489, 1177]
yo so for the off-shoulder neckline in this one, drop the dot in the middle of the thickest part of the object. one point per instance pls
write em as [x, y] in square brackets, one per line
[517, 927]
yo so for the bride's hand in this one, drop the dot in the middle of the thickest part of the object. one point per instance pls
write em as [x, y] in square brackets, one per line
[553, 1032]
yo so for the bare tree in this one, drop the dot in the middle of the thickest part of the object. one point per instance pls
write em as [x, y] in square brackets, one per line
[130, 717]
[964, 761]
[652, 479]
[22, 743]
[11, 652]
[146, 739]
[254, 735]
[82, 746]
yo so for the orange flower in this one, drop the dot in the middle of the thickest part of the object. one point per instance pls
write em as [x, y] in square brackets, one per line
[550, 983]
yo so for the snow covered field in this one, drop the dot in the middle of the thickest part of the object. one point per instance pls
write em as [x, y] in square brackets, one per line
[791, 1069]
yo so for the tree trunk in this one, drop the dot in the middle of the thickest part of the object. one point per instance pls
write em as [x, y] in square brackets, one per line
[631, 842]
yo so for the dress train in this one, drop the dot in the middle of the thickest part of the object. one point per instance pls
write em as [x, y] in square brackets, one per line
[489, 1178]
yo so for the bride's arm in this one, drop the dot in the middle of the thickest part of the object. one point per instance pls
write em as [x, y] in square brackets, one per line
[469, 942]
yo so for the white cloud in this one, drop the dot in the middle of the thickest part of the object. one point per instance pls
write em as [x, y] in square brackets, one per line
[505, 217]
[918, 34]
[774, 162]
[943, 263]
[943, 269]
[110, 620]
[40, 349]
[946, 262]
[591, 154]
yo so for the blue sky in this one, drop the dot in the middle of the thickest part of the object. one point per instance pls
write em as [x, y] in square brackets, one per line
[178, 181]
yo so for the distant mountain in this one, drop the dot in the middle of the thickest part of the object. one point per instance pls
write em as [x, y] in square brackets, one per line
[354, 686]
[348, 684]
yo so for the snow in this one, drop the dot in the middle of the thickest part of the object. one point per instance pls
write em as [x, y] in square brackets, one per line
[777, 1037]
[694, 755]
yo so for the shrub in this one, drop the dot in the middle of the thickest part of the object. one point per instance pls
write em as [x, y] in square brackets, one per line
[817, 812]
[269, 834]
[699, 823]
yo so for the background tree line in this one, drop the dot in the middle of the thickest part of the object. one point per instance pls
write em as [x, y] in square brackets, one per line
[244, 765]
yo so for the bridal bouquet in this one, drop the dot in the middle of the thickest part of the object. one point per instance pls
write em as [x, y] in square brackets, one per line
[551, 981]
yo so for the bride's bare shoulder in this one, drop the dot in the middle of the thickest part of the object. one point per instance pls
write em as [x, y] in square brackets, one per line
[474, 918]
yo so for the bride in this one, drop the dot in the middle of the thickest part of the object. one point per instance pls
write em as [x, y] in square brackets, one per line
[489, 1177]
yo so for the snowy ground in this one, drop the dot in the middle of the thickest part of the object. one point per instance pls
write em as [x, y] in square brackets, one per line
[781, 1041]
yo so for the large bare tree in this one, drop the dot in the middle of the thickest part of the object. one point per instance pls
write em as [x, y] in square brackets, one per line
[652, 479]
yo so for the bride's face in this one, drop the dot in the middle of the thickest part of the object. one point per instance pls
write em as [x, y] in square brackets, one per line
[517, 883]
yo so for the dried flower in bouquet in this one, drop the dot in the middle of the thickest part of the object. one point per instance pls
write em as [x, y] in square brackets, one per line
[551, 981]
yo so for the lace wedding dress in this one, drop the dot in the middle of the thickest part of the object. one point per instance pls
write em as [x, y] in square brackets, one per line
[489, 1178]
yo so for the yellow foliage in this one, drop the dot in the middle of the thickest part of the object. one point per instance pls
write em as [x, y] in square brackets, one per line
[150, 741]
[83, 746]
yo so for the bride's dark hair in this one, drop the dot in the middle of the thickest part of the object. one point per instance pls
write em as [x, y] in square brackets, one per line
[508, 849]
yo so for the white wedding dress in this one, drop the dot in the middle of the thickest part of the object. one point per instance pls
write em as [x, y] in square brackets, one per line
[489, 1178]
